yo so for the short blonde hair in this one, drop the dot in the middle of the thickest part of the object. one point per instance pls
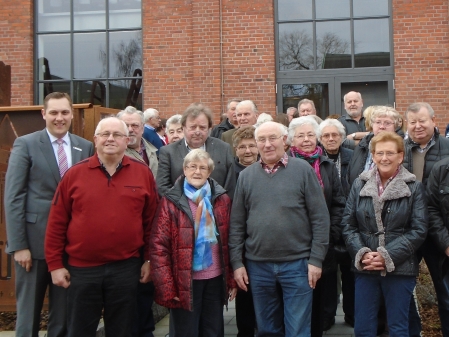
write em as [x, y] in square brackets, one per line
[387, 136]
[197, 155]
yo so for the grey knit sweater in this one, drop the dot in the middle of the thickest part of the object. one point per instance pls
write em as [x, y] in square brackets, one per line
[279, 217]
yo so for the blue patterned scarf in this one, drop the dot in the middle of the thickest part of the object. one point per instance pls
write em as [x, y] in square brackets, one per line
[205, 232]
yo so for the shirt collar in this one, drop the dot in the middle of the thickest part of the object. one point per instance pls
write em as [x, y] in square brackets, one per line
[149, 127]
[203, 147]
[53, 139]
[428, 145]
[281, 162]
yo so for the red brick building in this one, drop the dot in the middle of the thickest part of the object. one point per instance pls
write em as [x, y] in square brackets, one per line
[211, 51]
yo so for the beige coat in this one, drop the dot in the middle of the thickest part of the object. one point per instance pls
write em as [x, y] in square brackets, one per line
[151, 153]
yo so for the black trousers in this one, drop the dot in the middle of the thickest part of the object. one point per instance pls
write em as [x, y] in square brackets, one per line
[244, 313]
[112, 287]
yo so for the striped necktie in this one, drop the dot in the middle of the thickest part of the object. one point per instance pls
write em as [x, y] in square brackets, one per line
[62, 158]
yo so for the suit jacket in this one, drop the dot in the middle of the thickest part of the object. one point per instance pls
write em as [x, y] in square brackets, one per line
[151, 154]
[31, 181]
[171, 158]
[152, 137]
[227, 138]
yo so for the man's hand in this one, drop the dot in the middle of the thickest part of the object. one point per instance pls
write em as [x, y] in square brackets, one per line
[241, 277]
[61, 277]
[23, 258]
[145, 273]
[314, 275]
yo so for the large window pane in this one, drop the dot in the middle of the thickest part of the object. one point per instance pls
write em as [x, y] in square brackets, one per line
[295, 10]
[328, 9]
[121, 95]
[89, 14]
[373, 93]
[53, 56]
[53, 15]
[333, 44]
[49, 87]
[370, 7]
[296, 46]
[89, 92]
[372, 43]
[90, 55]
[125, 53]
[317, 92]
[125, 14]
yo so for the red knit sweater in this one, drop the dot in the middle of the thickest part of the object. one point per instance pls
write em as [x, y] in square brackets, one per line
[99, 219]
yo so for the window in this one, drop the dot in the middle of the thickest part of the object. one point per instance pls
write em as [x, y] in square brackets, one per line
[91, 49]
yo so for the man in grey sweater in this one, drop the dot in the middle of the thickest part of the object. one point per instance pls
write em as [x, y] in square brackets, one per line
[280, 221]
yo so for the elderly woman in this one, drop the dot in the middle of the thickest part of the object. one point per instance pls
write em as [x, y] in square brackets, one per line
[383, 118]
[174, 130]
[385, 222]
[303, 134]
[245, 148]
[189, 251]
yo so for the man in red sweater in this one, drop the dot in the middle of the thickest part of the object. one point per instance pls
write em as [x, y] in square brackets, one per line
[100, 219]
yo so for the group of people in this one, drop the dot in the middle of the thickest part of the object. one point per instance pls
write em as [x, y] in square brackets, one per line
[262, 212]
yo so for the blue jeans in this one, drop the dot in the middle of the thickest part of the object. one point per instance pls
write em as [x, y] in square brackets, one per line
[396, 290]
[286, 312]
[441, 283]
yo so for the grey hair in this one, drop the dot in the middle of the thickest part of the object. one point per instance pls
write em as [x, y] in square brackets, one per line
[101, 122]
[263, 117]
[194, 110]
[175, 119]
[333, 122]
[358, 94]
[232, 100]
[385, 111]
[149, 113]
[130, 110]
[300, 121]
[415, 107]
[306, 101]
[197, 155]
[250, 103]
[282, 128]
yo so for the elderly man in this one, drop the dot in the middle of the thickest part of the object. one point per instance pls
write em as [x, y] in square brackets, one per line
[174, 129]
[283, 249]
[292, 112]
[37, 163]
[196, 122]
[138, 147]
[246, 113]
[353, 121]
[306, 107]
[102, 240]
[423, 148]
[230, 122]
[152, 121]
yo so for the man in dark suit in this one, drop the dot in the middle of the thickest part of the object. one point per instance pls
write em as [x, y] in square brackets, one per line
[37, 162]
[196, 122]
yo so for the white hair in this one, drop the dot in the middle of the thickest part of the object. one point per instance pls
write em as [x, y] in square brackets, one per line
[149, 113]
[130, 110]
[300, 121]
[263, 117]
[282, 128]
[333, 122]
[175, 119]
[101, 122]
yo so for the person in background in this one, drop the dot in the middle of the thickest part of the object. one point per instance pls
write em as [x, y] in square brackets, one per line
[245, 148]
[385, 222]
[189, 251]
[174, 129]
[282, 119]
[353, 121]
[228, 123]
[303, 135]
[36, 165]
[306, 107]
[263, 117]
[292, 112]
[161, 131]
[383, 119]
[332, 134]
[152, 121]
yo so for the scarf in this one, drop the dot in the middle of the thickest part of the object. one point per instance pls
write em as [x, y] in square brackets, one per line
[205, 232]
[312, 158]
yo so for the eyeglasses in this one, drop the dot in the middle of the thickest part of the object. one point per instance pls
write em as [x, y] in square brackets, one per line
[244, 147]
[303, 136]
[134, 125]
[115, 135]
[328, 135]
[270, 139]
[388, 154]
[384, 123]
[193, 168]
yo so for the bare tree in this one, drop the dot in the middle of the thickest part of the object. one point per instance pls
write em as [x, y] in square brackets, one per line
[295, 50]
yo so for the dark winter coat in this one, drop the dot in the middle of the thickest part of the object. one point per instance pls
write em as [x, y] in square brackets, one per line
[172, 242]
[394, 224]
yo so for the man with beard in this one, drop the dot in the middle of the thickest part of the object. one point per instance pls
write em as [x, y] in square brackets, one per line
[138, 147]
[354, 122]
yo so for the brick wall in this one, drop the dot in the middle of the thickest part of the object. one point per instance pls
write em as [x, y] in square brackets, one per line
[182, 61]
[16, 47]
[421, 52]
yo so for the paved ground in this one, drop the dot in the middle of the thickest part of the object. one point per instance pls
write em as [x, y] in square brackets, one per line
[340, 329]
